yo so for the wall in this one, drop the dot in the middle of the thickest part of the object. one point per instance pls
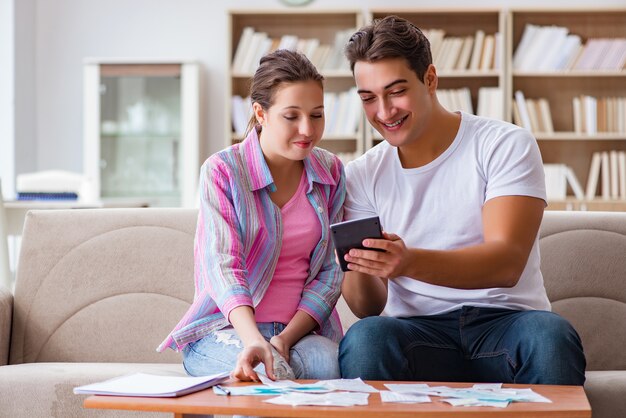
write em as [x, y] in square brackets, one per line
[67, 31]
[18, 152]
[7, 81]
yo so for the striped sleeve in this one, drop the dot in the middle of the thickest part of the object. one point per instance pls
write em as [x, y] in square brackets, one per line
[219, 253]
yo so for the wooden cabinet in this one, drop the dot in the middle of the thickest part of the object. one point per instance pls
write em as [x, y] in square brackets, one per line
[141, 130]
[321, 36]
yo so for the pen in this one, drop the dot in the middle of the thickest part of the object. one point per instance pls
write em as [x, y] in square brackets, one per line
[222, 389]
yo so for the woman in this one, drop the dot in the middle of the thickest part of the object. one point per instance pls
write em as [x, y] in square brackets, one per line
[265, 275]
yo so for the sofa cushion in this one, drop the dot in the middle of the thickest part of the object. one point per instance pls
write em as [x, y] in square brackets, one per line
[584, 267]
[109, 291]
[46, 389]
[606, 391]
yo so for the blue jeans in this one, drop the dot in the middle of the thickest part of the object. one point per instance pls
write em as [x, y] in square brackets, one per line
[313, 357]
[470, 344]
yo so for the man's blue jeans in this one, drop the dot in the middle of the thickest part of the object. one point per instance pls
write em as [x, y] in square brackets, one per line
[470, 344]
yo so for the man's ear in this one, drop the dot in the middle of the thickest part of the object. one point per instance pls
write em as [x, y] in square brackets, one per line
[431, 80]
[259, 113]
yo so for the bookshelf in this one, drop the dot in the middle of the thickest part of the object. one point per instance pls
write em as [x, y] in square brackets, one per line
[570, 143]
[315, 28]
[566, 141]
[459, 24]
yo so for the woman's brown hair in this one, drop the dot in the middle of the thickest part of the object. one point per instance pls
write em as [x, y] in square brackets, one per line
[276, 68]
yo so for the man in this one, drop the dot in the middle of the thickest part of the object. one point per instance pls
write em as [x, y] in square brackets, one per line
[457, 295]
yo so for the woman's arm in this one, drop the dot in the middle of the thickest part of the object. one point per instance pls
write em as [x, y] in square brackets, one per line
[300, 325]
[256, 350]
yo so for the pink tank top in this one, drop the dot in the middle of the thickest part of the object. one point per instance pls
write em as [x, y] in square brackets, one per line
[301, 233]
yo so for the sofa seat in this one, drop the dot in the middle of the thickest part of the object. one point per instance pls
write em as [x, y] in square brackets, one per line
[606, 391]
[46, 389]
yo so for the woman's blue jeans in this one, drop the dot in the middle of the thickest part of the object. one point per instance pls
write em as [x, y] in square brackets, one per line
[471, 344]
[313, 357]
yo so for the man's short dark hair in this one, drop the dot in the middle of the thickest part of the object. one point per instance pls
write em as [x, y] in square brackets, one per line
[391, 37]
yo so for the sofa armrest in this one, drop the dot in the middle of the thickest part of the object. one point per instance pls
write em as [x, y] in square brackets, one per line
[6, 315]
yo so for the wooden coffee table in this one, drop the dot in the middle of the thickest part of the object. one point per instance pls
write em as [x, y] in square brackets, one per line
[567, 402]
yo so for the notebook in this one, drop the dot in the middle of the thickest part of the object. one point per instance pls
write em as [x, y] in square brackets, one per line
[149, 385]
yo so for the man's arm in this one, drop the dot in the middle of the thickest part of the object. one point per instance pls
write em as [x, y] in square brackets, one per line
[365, 295]
[510, 226]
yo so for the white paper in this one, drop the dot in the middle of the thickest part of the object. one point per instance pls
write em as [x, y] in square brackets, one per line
[325, 399]
[475, 402]
[277, 383]
[350, 385]
[388, 396]
[142, 384]
[407, 387]
[487, 386]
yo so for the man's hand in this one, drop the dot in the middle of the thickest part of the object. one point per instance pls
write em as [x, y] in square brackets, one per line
[388, 264]
[250, 357]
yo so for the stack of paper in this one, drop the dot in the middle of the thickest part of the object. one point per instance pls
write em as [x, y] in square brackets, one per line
[142, 384]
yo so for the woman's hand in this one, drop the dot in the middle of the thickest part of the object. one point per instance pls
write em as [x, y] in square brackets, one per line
[281, 346]
[257, 352]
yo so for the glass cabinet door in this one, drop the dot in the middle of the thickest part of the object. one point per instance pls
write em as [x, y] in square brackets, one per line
[141, 134]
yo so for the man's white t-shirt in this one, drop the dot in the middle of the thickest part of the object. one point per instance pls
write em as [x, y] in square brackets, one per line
[439, 206]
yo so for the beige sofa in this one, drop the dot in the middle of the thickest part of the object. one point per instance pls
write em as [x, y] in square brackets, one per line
[97, 291]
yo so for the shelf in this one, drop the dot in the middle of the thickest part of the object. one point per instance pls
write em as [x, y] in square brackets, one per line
[142, 137]
[326, 74]
[588, 205]
[573, 136]
[469, 74]
[571, 73]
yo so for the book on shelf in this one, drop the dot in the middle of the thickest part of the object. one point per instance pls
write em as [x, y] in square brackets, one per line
[578, 115]
[342, 112]
[252, 46]
[435, 37]
[621, 173]
[594, 175]
[242, 48]
[556, 181]
[497, 52]
[490, 101]
[545, 115]
[571, 48]
[558, 178]
[479, 39]
[553, 48]
[533, 115]
[594, 115]
[149, 385]
[465, 54]
[605, 186]
[613, 167]
[486, 59]
[456, 99]
[256, 42]
[573, 182]
[524, 118]
[524, 46]
[608, 168]
[241, 111]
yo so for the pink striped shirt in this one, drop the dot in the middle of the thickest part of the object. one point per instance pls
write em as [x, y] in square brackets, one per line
[239, 237]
